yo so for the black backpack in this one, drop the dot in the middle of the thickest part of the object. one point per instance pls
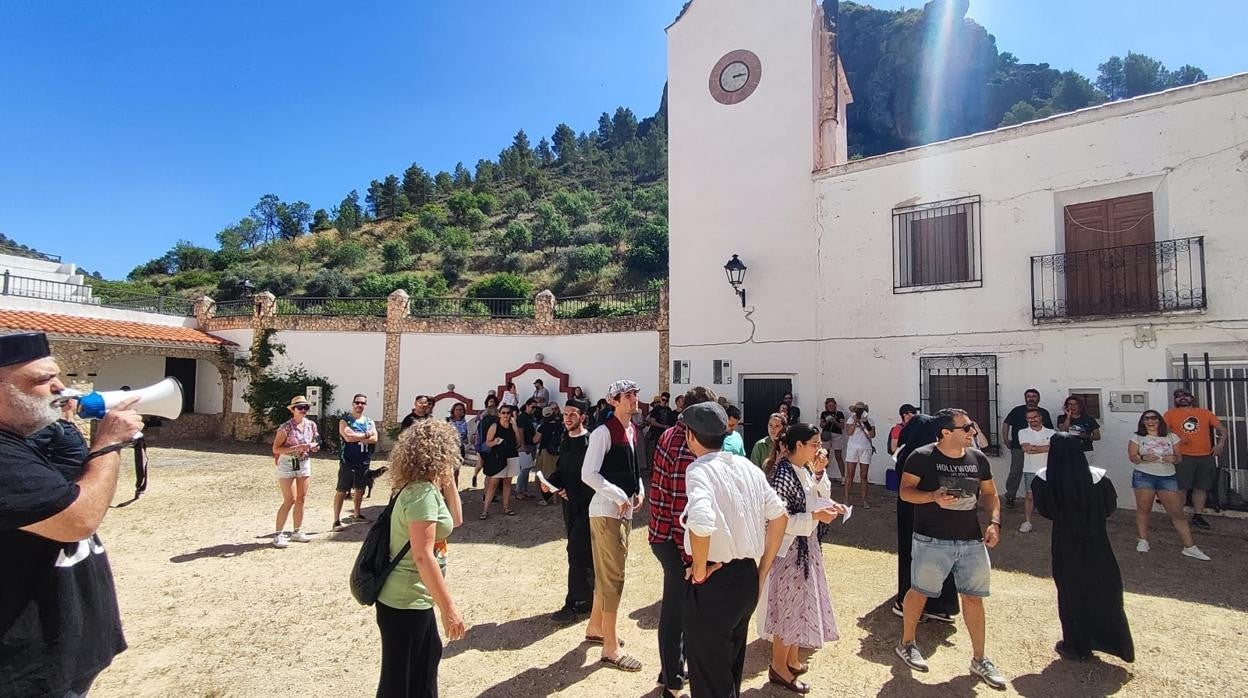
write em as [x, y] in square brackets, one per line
[373, 563]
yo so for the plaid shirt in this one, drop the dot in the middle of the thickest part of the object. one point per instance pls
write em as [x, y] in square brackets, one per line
[667, 487]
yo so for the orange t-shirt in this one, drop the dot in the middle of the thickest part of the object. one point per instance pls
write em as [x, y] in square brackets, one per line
[1193, 426]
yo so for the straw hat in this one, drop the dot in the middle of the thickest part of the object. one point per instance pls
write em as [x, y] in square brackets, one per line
[297, 400]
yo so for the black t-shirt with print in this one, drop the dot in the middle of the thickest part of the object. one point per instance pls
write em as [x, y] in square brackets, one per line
[935, 469]
[1083, 426]
[1017, 419]
[59, 623]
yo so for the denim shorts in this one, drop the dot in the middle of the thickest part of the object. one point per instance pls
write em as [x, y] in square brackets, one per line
[1027, 478]
[933, 559]
[1159, 483]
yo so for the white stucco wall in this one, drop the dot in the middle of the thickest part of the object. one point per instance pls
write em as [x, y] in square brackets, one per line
[739, 175]
[134, 371]
[1186, 147]
[821, 286]
[352, 361]
[207, 388]
[477, 364]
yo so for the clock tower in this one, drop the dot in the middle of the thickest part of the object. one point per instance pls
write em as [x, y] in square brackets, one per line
[756, 106]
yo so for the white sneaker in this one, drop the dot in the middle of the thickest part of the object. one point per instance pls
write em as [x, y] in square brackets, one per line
[1193, 551]
[1025, 528]
[1142, 546]
[280, 541]
[300, 537]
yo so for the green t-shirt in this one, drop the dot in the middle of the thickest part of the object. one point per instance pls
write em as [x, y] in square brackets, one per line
[733, 443]
[762, 449]
[419, 501]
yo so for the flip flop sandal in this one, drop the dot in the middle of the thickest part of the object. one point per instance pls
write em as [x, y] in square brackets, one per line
[624, 663]
[597, 640]
[484, 515]
[510, 512]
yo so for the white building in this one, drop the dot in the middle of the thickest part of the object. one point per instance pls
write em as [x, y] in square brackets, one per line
[1087, 253]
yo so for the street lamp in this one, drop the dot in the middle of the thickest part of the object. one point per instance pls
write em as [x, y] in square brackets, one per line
[735, 270]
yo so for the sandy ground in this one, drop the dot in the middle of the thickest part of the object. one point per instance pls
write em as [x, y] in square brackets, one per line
[212, 609]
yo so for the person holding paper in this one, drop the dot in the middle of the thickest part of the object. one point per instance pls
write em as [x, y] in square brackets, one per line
[798, 609]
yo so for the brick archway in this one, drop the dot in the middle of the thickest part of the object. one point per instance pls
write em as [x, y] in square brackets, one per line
[564, 379]
[451, 394]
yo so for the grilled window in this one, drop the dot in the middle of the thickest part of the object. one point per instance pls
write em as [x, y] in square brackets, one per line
[937, 245]
[964, 381]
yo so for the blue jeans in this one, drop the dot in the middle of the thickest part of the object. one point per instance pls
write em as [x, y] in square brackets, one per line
[934, 559]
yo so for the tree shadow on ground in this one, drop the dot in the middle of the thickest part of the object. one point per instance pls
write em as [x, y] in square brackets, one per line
[1163, 572]
[512, 635]
[1092, 678]
[224, 550]
[566, 671]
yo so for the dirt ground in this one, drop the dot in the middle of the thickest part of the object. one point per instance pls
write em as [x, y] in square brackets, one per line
[210, 608]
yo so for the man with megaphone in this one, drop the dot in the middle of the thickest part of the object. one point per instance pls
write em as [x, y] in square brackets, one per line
[59, 621]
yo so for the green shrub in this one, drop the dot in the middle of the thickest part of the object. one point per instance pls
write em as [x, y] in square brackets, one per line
[456, 239]
[476, 220]
[192, 279]
[505, 285]
[329, 283]
[395, 256]
[420, 240]
[270, 391]
[347, 255]
[588, 260]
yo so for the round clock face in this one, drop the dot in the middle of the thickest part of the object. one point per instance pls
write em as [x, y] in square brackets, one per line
[735, 76]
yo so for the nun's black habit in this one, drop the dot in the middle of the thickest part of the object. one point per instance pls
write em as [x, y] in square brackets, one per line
[1078, 499]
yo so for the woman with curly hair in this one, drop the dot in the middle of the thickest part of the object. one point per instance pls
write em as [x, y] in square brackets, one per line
[798, 610]
[425, 512]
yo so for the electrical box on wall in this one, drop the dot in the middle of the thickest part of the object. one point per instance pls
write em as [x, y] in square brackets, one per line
[722, 372]
[1128, 400]
[313, 394]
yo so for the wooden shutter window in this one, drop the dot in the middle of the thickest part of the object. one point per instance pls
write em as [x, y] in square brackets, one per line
[939, 253]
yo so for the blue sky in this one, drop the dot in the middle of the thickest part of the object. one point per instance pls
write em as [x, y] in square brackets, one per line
[126, 126]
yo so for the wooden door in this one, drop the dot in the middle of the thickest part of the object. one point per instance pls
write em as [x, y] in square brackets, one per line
[1110, 257]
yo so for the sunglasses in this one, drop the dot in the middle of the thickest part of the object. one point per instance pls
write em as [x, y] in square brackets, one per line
[303, 408]
[358, 402]
[968, 428]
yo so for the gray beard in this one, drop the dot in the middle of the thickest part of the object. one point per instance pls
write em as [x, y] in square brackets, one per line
[30, 413]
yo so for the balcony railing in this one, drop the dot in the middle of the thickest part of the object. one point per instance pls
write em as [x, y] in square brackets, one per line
[241, 308]
[375, 307]
[472, 307]
[44, 289]
[617, 304]
[1155, 277]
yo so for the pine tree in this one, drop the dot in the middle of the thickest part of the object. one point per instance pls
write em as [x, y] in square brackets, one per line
[544, 155]
[462, 178]
[564, 143]
[417, 186]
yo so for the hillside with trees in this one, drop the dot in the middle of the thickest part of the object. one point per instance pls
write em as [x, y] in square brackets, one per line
[582, 212]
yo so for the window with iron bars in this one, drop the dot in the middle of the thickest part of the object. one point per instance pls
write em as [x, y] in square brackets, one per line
[964, 381]
[937, 246]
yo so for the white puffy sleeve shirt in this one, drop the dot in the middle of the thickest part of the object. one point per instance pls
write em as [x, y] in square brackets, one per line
[730, 502]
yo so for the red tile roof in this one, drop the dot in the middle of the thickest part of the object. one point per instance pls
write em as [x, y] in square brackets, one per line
[88, 327]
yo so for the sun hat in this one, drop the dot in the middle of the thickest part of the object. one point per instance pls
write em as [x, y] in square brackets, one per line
[298, 400]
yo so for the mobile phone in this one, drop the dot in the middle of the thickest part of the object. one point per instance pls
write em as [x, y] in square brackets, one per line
[956, 492]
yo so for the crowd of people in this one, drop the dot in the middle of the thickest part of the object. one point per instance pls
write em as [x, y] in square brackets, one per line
[737, 538]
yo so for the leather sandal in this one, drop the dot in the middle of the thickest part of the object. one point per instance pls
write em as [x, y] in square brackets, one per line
[798, 671]
[794, 685]
[624, 663]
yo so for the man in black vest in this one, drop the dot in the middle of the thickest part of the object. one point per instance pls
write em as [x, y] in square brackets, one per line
[611, 470]
[59, 623]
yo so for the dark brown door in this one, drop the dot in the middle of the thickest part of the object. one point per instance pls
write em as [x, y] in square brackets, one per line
[759, 398]
[1110, 262]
